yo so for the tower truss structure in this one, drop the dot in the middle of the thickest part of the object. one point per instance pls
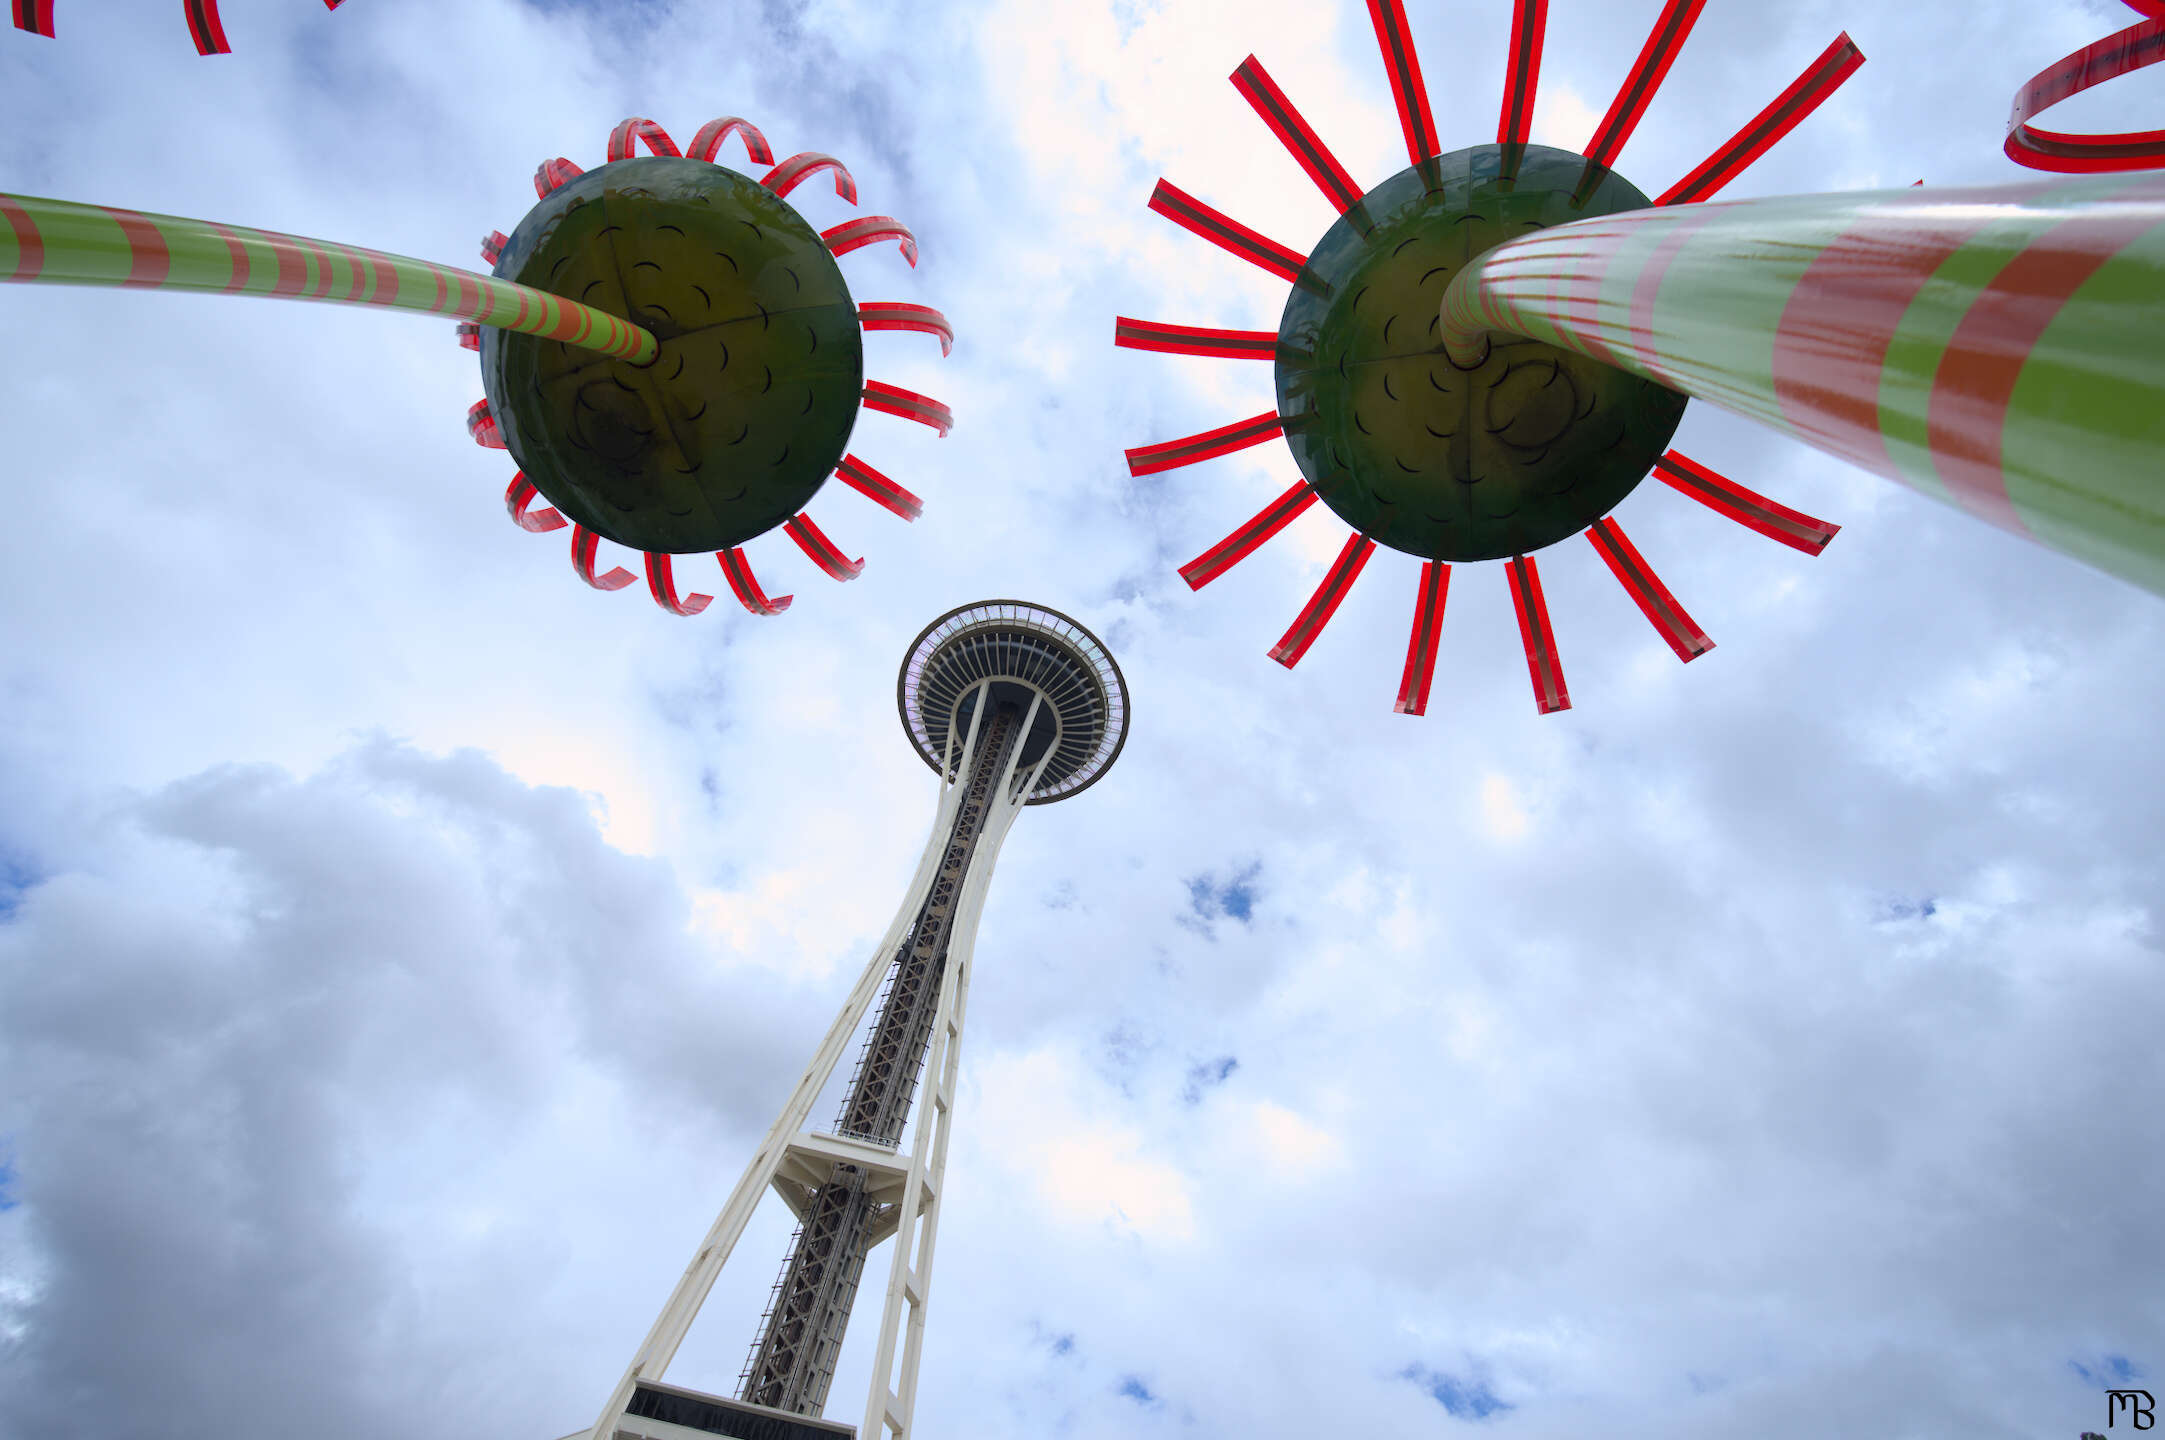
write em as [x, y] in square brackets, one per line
[1011, 705]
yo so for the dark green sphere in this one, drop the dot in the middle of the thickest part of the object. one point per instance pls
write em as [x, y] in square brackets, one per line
[749, 406]
[1529, 447]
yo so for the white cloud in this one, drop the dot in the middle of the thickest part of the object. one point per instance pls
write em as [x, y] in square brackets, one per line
[1563, 118]
[1293, 1148]
[1038, 1123]
[1503, 814]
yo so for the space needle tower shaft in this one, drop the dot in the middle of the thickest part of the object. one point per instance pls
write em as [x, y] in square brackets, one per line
[1011, 705]
[793, 1360]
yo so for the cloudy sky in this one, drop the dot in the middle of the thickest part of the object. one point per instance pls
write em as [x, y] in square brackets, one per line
[402, 946]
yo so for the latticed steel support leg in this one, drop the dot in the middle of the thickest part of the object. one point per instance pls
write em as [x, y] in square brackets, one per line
[792, 1362]
[880, 1191]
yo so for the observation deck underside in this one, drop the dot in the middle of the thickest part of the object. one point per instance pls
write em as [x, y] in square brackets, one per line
[1022, 650]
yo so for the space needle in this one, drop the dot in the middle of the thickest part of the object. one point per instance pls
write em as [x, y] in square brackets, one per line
[1011, 705]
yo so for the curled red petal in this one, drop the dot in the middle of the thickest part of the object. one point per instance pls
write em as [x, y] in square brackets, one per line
[800, 167]
[825, 554]
[745, 586]
[1330, 594]
[856, 234]
[870, 483]
[583, 542]
[2131, 49]
[1542, 665]
[552, 174]
[624, 139]
[1244, 542]
[522, 494]
[1421, 645]
[662, 585]
[895, 315]
[481, 424]
[894, 400]
[1172, 454]
[204, 26]
[708, 142]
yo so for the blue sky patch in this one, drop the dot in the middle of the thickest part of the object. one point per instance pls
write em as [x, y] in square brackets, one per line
[1462, 1399]
[1125, 1046]
[1133, 1388]
[1234, 899]
[2109, 1373]
[1207, 1076]
[16, 877]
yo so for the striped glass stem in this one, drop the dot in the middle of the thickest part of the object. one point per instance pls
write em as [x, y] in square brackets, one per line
[2001, 349]
[57, 242]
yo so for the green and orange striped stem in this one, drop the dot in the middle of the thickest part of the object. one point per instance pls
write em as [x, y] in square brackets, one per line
[2001, 349]
[57, 242]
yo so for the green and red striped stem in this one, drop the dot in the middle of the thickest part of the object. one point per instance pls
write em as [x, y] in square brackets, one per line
[57, 242]
[2001, 349]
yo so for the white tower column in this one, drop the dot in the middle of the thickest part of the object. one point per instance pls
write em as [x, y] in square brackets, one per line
[1011, 705]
